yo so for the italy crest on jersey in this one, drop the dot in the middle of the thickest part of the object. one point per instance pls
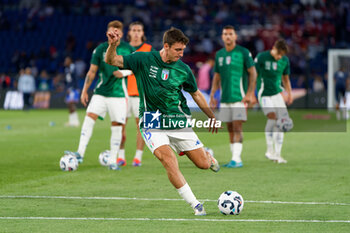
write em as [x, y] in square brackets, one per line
[165, 74]
[274, 65]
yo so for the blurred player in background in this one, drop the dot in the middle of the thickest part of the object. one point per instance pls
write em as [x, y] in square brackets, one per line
[109, 96]
[72, 97]
[161, 76]
[273, 68]
[230, 64]
[341, 78]
[136, 38]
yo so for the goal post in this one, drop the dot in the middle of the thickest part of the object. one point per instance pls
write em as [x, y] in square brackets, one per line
[336, 58]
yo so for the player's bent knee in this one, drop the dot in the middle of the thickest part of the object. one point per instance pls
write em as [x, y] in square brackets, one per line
[92, 116]
[272, 116]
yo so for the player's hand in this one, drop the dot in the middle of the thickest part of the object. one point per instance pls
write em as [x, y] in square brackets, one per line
[249, 98]
[113, 36]
[214, 125]
[213, 103]
[84, 98]
[289, 99]
[118, 74]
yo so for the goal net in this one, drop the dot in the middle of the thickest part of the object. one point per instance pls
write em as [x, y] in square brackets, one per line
[336, 59]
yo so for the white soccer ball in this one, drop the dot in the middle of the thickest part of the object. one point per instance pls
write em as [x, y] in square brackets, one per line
[68, 163]
[104, 157]
[230, 203]
[285, 124]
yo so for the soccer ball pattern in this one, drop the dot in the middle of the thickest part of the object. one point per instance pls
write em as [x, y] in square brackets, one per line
[230, 203]
[285, 124]
[103, 157]
[68, 163]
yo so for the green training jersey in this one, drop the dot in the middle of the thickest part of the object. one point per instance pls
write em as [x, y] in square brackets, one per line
[231, 65]
[160, 83]
[107, 84]
[270, 73]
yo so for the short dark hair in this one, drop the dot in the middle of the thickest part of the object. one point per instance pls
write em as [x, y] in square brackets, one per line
[115, 24]
[229, 27]
[174, 35]
[281, 46]
[144, 38]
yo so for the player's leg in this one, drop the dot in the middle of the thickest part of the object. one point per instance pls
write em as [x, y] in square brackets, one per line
[121, 161]
[337, 102]
[159, 144]
[236, 160]
[97, 107]
[186, 141]
[270, 112]
[278, 134]
[71, 100]
[230, 131]
[169, 161]
[117, 108]
[226, 115]
[140, 144]
[239, 115]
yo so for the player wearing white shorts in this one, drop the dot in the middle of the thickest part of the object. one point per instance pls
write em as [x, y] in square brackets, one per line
[273, 68]
[231, 63]
[161, 76]
[136, 38]
[109, 97]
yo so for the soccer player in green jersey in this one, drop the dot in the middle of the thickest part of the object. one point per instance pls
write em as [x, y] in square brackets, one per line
[273, 68]
[231, 63]
[109, 96]
[161, 76]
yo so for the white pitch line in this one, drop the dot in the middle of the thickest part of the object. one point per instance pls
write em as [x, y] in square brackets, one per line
[179, 219]
[166, 199]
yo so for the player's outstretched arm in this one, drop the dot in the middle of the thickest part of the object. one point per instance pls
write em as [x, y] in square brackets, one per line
[215, 86]
[287, 86]
[250, 96]
[90, 76]
[203, 105]
[112, 58]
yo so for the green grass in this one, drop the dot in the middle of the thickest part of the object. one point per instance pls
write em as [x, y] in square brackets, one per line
[318, 170]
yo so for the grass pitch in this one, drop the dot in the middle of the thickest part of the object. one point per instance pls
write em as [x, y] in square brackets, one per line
[308, 194]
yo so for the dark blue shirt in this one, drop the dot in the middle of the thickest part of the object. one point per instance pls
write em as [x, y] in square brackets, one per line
[340, 78]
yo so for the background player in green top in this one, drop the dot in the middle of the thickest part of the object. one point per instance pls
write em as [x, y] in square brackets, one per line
[109, 96]
[161, 76]
[137, 39]
[231, 63]
[273, 68]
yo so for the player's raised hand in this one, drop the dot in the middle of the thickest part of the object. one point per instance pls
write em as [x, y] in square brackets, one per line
[84, 98]
[114, 36]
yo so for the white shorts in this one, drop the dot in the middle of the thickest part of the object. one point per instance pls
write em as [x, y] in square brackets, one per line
[179, 139]
[232, 112]
[133, 106]
[274, 103]
[115, 106]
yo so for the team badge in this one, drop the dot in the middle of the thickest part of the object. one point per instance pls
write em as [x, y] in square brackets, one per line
[228, 60]
[165, 74]
[274, 65]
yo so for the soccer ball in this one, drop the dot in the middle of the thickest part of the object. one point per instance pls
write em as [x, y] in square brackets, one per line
[230, 202]
[104, 157]
[68, 163]
[285, 124]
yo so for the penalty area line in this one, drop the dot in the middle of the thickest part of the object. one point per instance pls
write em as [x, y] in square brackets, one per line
[178, 219]
[163, 199]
